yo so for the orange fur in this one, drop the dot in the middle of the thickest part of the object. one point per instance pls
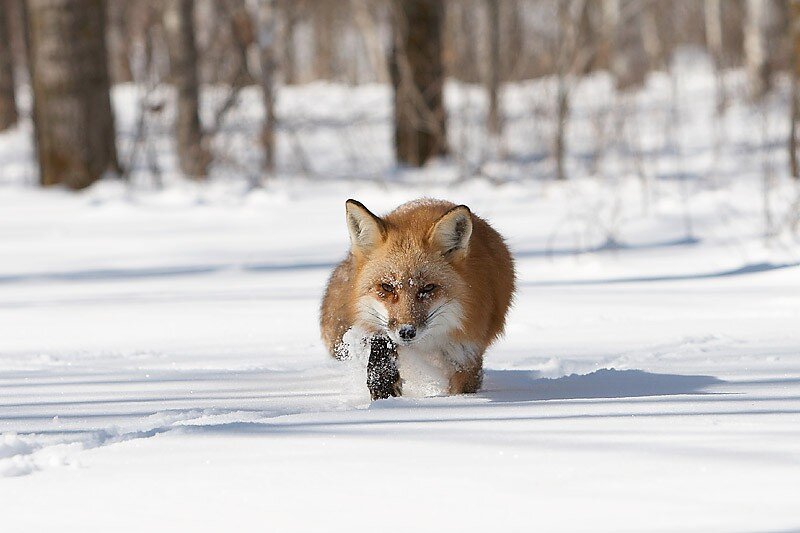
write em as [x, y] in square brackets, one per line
[426, 244]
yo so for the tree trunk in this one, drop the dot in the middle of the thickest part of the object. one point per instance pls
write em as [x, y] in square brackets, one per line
[493, 78]
[370, 34]
[513, 38]
[118, 41]
[461, 47]
[323, 20]
[651, 37]
[609, 28]
[794, 31]
[8, 105]
[417, 72]
[755, 48]
[567, 64]
[562, 116]
[242, 38]
[713, 20]
[715, 44]
[73, 122]
[624, 47]
[179, 26]
[289, 63]
[267, 55]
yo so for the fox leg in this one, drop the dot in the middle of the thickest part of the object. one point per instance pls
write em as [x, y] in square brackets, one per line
[383, 378]
[466, 380]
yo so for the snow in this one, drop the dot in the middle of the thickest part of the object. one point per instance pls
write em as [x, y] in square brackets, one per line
[161, 368]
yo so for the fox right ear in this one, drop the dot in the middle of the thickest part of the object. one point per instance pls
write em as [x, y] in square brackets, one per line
[452, 232]
[366, 229]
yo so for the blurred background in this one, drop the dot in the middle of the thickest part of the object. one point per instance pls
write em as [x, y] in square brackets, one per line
[253, 92]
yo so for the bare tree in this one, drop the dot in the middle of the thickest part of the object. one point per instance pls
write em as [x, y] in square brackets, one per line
[715, 44]
[461, 46]
[512, 38]
[73, 122]
[651, 36]
[571, 59]
[794, 29]
[118, 40]
[371, 37]
[8, 105]
[223, 34]
[713, 27]
[267, 55]
[289, 56]
[417, 72]
[493, 74]
[755, 47]
[625, 46]
[323, 18]
[179, 26]
[566, 38]
[608, 34]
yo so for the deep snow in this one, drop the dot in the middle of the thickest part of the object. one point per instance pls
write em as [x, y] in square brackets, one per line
[160, 363]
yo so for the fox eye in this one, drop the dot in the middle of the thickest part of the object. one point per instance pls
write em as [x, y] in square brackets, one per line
[427, 288]
[385, 287]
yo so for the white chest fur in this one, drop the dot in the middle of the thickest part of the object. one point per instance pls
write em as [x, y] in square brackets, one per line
[426, 370]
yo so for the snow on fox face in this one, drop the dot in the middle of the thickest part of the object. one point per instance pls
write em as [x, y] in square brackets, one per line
[411, 307]
[407, 286]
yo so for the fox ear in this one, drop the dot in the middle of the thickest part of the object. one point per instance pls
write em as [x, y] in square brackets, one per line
[452, 231]
[366, 229]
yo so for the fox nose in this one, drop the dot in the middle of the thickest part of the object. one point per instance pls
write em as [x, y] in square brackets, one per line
[407, 332]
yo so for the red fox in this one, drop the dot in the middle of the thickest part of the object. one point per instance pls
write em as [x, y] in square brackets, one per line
[427, 287]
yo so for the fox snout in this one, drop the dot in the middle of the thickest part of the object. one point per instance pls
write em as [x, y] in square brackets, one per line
[407, 332]
[404, 332]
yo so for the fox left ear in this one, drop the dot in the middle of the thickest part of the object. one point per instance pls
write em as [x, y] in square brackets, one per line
[366, 229]
[452, 231]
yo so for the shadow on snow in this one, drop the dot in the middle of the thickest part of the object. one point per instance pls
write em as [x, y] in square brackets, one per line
[523, 385]
[160, 272]
[193, 270]
[746, 269]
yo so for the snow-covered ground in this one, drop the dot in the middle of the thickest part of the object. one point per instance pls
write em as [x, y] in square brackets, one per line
[161, 368]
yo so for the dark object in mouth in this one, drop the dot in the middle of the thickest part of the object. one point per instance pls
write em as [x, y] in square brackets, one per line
[383, 378]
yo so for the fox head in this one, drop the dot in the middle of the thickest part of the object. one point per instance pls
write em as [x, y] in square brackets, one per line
[408, 280]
